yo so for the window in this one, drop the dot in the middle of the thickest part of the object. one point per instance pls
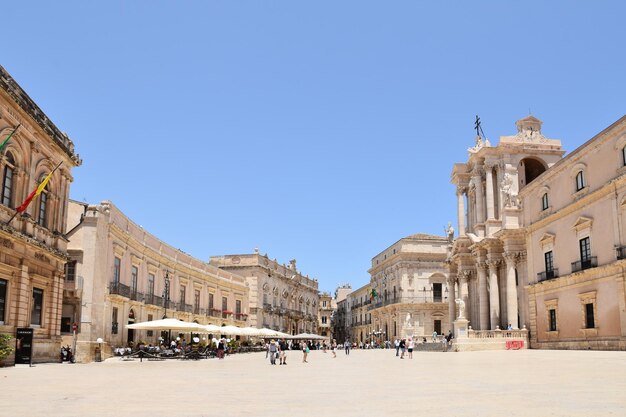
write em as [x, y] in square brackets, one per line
[3, 299]
[133, 281]
[210, 301]
[183, 289]
[323, 303]
[224, 303]
[36, 313]
[552, 313]
[585, 249]
[580, 181]
[70, 271]
[116, 271]
[544, 201]
[324, 321]
[196, 301]
[150, 287]
[624, 156]
[43, 207]
[549, 262]
[237, 306]
[436, 292]
[114, 321]
[589, 318]
[7, 181]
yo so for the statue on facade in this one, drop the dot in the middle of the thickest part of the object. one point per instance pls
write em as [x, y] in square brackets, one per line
[407, 320]
[461, 305]
[449, 232]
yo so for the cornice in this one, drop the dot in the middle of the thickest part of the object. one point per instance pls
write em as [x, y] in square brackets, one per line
[23, 100]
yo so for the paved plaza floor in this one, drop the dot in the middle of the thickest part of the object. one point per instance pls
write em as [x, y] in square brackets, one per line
[366, 383]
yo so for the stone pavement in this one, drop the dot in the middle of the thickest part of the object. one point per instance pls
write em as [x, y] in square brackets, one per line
[366, 383]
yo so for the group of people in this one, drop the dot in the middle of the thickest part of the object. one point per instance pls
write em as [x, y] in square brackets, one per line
[277, 349]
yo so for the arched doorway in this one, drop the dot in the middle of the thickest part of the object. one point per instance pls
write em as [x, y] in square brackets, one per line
[131, 332]
[529, 169]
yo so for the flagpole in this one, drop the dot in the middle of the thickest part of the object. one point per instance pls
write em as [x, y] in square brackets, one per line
[50, 174]
[9, 137]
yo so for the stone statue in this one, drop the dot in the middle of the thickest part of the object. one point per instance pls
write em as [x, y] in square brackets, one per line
[407, 321]
[507, 189]
[461, 304]
[450, 232]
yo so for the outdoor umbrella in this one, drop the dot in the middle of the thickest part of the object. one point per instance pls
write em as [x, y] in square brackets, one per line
[168, 324]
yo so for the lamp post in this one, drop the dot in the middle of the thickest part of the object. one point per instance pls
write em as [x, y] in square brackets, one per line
[166, 300]
[166, 292]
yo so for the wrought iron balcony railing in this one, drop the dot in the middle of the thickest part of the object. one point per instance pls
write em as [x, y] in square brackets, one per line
[549, 274]
[581, 265]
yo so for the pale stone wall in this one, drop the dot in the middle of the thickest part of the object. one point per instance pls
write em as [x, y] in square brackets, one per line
[106, 307]
[286, 300]
[411, 283]
[33, 250]
[596, 212]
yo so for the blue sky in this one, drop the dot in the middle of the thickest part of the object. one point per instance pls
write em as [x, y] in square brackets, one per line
[323, 131]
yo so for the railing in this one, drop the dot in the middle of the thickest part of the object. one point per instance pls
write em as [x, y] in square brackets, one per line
[241, 316]
[549, 274]
[119, 289]
[215, 313]
[498, 334]
[420, 299]
[591, 262]
[620, 252]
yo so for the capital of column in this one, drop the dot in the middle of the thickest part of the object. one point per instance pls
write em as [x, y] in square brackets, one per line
[493, 263]
[481, 266]
[461, 189]
[514, 257]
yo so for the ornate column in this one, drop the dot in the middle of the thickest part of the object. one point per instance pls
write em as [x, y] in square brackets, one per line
[483, 296]
[511, 289]
[489, 186]
[494, 294]
[480, 202]
[460, 210]
[464, 290]
[451, 298]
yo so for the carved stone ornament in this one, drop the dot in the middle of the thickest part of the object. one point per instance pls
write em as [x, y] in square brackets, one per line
[6, 243]
[41, 257]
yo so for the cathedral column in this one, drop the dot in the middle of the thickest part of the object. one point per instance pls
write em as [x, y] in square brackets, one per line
[464, 291]
[451, 302]
[460, 210]
[489, 186]
[480, 198]
[511, 289]
[483, 296]
[494, 294]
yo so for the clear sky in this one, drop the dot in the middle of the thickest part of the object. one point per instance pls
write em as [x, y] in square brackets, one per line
[317, 130]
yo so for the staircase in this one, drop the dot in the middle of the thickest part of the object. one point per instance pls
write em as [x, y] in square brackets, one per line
[429, 347]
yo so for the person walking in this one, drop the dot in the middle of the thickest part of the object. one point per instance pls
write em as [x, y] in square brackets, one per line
[346, 346]
[273, 349]
[402, 348]
[397, 344]
[282, 352]
[410, 348]
[305, 351]
[435, 336]
[333, 348]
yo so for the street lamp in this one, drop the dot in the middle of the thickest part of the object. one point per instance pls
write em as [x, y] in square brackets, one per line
[166, 292]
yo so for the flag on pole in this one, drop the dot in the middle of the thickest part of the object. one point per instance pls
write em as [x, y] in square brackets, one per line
[7, 139]
[37, 190]
[373, 294]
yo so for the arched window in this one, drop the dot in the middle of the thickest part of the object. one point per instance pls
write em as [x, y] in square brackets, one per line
[43, 207]
[624, 156]
[7, 181]
[580, 181]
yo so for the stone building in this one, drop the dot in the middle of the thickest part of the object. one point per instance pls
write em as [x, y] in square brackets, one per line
[488, 260]
[360, 319]
[409, 284]
[575, 222]
[120, 274]
[325, 314]
[340, 320]
[33, 250]
[281, 298]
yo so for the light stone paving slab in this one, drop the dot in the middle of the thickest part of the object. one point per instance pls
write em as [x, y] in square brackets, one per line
[366, 383]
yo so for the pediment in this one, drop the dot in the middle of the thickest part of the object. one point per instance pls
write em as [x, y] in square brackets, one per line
[547, 238]
[582, 223]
